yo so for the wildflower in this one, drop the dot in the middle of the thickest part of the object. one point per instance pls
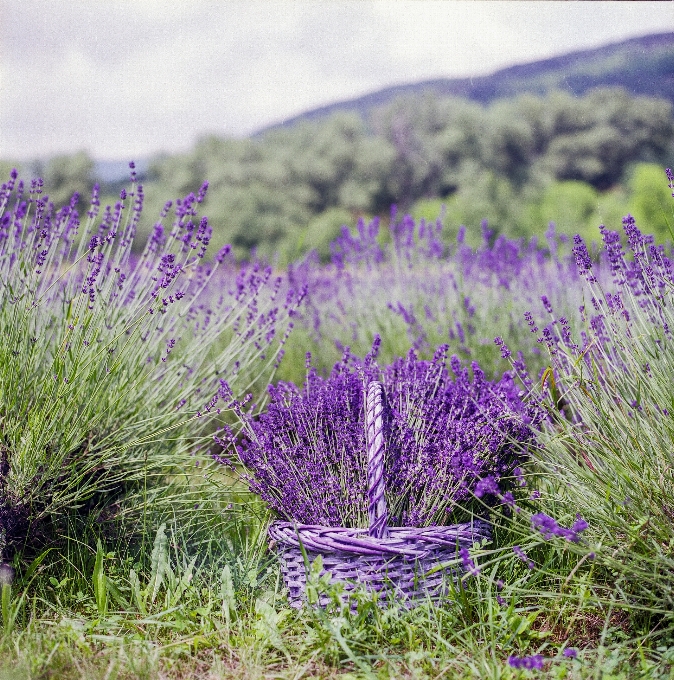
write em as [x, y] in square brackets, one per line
[528, 316]
[570, 653]
[445, 440]
[533, 662]
[488, 485]
[550, 528]
[116, 281]
[169, 346]
[583, 261]
[505, 352]
[509, 500]
[468, 563]
[523, 556]
[202, 192]
[634, 236]
[579, 525]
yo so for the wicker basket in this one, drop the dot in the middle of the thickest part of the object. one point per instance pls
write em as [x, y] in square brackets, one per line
[389, 560]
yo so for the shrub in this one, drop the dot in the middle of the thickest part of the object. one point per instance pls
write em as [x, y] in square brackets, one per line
[606, 452]
[415, 291]
[109, 362]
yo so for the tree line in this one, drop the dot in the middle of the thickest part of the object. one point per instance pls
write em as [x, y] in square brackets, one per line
[291, 189]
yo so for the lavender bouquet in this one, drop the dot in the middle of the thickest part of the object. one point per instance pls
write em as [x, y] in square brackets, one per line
[448, 438]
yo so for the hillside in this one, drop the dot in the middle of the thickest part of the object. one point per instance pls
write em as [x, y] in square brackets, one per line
[643, 66]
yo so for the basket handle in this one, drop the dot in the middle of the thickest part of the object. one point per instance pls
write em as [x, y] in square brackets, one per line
[377, 513]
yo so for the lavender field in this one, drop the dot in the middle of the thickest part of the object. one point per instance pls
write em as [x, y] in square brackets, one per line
[162, 404]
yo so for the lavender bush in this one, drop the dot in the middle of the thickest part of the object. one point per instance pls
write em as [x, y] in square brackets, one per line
[447, 439]
[415, 290]
[606, 450]
[110, 363]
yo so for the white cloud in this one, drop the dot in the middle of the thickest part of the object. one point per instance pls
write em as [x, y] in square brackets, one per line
[474, 38]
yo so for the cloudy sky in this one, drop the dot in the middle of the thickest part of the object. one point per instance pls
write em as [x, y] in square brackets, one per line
[124, 79]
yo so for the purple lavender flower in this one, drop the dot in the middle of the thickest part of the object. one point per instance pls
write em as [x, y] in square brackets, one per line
[202, 192]
[62, 275]
[508, 500]
[583, 261]
[446, 440]
[579, 525]
[488, 485]
[523, 556]
[530, 322]
[505, 352]
[634, 236]
[550, 528]
[570, 653]
[533, 662]
[545, 524]
[468, 563]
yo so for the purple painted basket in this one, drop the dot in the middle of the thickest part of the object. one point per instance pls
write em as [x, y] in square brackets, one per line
[388, 560]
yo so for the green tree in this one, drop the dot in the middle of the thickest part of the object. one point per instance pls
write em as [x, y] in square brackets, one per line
[489, 197]
[494, 162]
[572, 206]
[508, 141]
[650, 201]
[64, 175]
[412, 126]
[597, 136]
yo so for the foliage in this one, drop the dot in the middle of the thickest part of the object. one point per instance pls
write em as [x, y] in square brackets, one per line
[320, 233]
[415, 292]
[650, 200]
[69, 175]
[219, 613]
[610, 437]
[578, 577]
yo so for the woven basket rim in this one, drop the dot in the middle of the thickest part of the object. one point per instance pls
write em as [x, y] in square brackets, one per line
[413, 542]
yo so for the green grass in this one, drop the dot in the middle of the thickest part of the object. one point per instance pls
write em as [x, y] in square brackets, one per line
[215, 609]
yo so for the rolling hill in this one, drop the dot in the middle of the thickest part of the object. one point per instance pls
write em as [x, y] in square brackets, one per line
[643, 66]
